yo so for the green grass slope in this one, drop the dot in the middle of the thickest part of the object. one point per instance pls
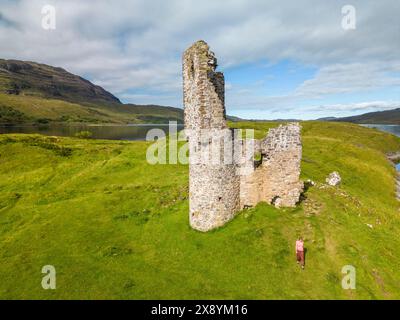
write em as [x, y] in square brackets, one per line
[17, 109]
[116, 227]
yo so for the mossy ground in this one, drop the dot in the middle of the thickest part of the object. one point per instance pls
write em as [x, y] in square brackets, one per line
[116, 227]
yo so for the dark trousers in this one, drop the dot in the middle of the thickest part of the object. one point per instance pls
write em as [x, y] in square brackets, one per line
[300, 257]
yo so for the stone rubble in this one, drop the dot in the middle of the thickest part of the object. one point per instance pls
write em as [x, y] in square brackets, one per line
[333, 179]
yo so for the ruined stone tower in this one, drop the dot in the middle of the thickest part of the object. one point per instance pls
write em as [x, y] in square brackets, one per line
[221, 179]
[213, 187]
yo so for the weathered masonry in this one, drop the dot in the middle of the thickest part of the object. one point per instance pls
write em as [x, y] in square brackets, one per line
[223, 174]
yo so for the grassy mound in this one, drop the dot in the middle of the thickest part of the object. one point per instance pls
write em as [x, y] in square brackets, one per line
[116, 227]
[16, 109]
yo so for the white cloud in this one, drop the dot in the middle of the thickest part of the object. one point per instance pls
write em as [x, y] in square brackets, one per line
[319, 111]
[133, 47]
[346, 78]
[360, 107]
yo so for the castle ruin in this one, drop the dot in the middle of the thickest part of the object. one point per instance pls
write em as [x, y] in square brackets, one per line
[224, 176]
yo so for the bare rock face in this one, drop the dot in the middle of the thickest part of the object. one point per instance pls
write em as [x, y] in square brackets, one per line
[333, 179]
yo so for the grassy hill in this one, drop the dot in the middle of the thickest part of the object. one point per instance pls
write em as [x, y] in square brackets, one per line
[379, 117]
[33, 109]
[116, 227]
[34, 79]
[37, 93]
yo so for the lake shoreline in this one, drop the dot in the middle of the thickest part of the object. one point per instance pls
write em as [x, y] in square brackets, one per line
[388, 128]
[76, 124]
[129, 132]
[124, 131]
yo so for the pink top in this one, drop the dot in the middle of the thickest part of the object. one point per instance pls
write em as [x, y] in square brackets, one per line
[299, 245]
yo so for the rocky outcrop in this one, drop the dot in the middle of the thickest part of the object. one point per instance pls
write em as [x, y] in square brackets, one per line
[333, 179]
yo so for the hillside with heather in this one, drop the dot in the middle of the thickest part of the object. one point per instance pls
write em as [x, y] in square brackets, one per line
[378, 117]
[37, 93]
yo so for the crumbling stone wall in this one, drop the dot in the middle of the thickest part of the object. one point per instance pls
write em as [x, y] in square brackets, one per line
[213, 187]
[219, 189]
[275, 179]
[203, 89]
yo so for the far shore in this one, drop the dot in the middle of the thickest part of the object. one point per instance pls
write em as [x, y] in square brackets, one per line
[77, 124]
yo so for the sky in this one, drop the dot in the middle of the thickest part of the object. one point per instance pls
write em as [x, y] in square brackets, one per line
[300, 59]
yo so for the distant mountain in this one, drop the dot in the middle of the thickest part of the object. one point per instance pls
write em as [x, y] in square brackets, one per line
[274, 120]
[234, 118]
[379, 117]
[34, 79]
[33, 92]
[327, 119]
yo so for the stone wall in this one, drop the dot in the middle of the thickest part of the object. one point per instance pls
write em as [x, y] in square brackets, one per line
[275, 178]
[213, 187]
[203, 89]
[219, 189]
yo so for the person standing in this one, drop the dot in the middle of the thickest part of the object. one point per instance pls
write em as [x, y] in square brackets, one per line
[300, 251]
